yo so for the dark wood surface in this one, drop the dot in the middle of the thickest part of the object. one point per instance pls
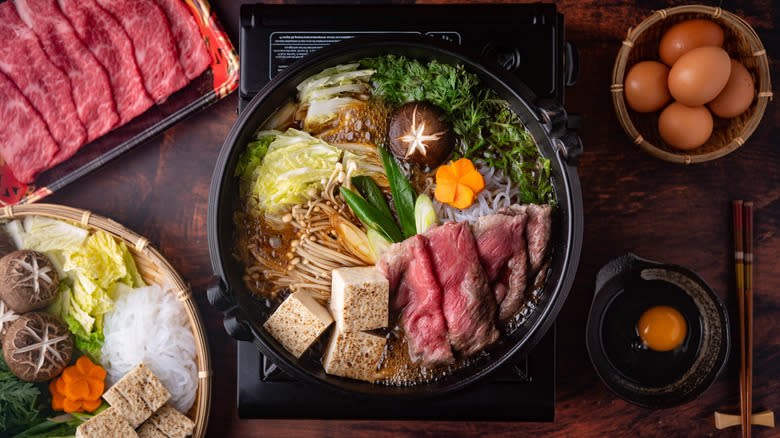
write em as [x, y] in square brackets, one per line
[633, 202]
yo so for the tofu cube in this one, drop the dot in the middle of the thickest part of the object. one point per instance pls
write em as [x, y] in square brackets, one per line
[107, 424]
[298, 322]
[353, 354]
[167, 422]
[137, 395]
[359, 298]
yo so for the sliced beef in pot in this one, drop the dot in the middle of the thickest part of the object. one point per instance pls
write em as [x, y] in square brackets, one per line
[502, 250]
[468, 303]
[537, 230]
[408, 268]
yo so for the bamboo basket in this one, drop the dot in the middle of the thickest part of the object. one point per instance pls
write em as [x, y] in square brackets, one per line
[741, 42]
[154, 269]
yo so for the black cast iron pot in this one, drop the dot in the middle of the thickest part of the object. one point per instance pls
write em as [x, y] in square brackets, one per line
[546, 120]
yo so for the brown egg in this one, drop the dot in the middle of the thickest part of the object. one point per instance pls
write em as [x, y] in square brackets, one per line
[699, 75]
[737, 95]
[645, 86]
[686, 36]
[685, 127]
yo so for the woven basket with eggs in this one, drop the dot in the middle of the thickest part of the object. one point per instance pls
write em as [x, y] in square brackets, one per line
[642, 44]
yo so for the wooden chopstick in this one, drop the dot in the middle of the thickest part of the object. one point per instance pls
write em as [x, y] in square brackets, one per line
[747, 223]
[739, 274]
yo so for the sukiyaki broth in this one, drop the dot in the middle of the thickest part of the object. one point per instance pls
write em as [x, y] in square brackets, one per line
[400, 189]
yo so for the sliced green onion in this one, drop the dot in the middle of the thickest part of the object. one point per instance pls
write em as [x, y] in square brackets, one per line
[403, 193]
[371, 216]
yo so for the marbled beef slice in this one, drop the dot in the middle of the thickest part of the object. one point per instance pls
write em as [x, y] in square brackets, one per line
[106, 39]
[25, 63]
[193, 56]
[414, 288]
[89, 81]
[153, 44]
[469, 305]
[25, 143]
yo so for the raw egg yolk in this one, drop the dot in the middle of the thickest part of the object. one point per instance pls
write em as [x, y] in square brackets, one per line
[662, 328]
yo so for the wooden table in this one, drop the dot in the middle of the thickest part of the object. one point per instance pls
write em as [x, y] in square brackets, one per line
[633, 202]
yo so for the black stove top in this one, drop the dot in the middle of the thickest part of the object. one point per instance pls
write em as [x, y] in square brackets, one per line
[525, 39]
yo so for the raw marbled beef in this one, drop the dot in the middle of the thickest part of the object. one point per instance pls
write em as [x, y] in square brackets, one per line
[25, 142]
[469, 306]
[89, 81]
[193, 56]
[106, 39]
[407, 266]
[537, 229]
[155, 49]
[48, 89]
[502, 251]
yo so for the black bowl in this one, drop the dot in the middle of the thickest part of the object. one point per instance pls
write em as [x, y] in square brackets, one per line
[545, 120]
[625, 288]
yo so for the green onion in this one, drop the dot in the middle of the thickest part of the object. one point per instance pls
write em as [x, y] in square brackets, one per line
[424, 214]
[403, 193]
[371, 216]
[372, 193]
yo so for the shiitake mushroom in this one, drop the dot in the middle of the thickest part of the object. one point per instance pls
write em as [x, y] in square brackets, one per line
[37, 346]
[28, 281]
[419, 134]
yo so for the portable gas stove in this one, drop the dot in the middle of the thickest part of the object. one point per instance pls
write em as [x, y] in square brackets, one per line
[525, 39]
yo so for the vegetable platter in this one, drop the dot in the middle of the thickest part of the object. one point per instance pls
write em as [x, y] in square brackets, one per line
[148, 267]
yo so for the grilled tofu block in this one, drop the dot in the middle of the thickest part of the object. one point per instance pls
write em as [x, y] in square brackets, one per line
[137, 395]
[359, 298]
[107, 424]
[167, 422]
[353, 354]
[298, 322]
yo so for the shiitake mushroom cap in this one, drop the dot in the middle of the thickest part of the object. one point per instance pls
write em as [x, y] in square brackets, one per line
[28, 281]
[418, 134]
[37, 346]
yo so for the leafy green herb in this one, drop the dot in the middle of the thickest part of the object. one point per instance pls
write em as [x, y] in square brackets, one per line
[371, 216]
[61, 426]
[17, 401]
[490, 131]
[372, 193]
[403, 193]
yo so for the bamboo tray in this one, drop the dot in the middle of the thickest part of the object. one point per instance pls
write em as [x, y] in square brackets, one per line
[154, 269]
[741, 42]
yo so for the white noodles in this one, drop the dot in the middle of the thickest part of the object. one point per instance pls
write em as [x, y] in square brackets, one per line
[149, 326]
[499, 192]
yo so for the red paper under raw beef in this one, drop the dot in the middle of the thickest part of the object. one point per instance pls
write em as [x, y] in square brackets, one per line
[155, 49]
[91, 87]
[193, 56]
[48, 89]
[106, 39]
[25, 143]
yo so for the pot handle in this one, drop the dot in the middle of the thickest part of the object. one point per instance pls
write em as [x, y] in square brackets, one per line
[219, 297]
[555, 121]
